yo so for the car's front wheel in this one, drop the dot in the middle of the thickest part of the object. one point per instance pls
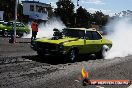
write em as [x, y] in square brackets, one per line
[73, 55]
[40, 53]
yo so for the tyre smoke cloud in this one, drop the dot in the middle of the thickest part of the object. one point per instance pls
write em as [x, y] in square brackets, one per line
[120, 32]
[46, 30]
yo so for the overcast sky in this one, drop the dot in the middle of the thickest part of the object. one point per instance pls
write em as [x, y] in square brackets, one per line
[106, 6]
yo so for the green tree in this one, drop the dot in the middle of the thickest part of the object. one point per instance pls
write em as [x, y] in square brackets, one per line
[100, 18]
[8, 6]
[83, 17]
[65, 10]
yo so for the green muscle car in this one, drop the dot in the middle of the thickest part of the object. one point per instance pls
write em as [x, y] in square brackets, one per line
[74, 41]
[6, 28]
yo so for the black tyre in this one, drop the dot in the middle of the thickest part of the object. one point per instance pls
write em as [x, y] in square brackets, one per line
[103, 52]
[99, 55]
[73, 55]
[40, 53]
[5, 34]
[21, 34]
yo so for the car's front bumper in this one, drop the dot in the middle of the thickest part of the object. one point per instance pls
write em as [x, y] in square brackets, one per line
[48, 51]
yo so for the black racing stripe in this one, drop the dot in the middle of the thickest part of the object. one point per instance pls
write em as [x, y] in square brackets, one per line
[69, 41]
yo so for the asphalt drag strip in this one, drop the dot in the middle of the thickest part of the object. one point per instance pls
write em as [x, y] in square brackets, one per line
[20, 67]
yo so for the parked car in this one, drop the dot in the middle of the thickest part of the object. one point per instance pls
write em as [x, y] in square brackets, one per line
[74, 41]
[6, 29]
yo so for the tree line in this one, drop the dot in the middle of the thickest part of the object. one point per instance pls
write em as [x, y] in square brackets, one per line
[65, 10]
[79, 17]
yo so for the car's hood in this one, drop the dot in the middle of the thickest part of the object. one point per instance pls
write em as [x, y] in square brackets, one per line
[58, 41]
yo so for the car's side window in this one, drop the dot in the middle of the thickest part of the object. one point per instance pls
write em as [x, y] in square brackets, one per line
[17, 25]
[96, 36]
[74, 33]
[92, 35]
[22, 25]
[81, 34]
[88, 35]
[9, 24]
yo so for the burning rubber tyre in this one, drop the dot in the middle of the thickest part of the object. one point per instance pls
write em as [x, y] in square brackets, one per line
[103, 52]
[73, 55]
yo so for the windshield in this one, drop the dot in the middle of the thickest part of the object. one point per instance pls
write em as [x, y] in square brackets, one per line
[73, 33]
[17, 24]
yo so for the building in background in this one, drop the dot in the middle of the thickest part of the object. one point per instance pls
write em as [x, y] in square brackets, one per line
[1, 15]
[37, 10]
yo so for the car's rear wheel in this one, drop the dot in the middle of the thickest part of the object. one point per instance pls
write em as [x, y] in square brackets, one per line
[103, 52]
[22, 34]
[5, 34]
[73, 55]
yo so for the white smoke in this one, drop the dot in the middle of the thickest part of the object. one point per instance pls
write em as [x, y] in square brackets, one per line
[120, 32]
[46, 30]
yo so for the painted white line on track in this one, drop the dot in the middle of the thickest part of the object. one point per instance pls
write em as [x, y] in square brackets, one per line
[99, 87]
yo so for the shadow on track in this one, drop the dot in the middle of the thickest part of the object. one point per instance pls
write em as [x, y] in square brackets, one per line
[22, 42]
[54, 60]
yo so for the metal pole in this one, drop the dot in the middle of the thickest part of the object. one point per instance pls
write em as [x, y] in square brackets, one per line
[76, 12]
[15, 21]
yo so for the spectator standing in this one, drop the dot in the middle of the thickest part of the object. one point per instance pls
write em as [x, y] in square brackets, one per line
[34, 27]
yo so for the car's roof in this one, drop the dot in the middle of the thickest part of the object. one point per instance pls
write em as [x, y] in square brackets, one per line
[89, 29]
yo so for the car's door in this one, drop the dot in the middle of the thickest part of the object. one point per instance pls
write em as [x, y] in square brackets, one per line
[96, 41]
[21, 28]
[93, 42]
[9, 26]
[88, 42]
